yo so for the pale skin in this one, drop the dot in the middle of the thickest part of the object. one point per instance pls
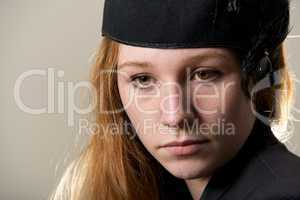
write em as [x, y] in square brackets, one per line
[162, 88]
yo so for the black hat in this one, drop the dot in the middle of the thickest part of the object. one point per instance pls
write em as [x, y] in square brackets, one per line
[251, 26]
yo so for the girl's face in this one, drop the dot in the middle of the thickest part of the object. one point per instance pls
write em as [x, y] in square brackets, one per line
[186, 106]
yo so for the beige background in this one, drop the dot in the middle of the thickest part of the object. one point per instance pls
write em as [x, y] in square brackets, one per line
[62, 35]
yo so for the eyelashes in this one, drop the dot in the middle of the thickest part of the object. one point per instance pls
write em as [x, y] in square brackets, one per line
[141, 81]
[205, 75]
[145, 81]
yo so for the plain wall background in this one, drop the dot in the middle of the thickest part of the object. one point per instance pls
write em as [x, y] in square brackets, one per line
[62, 35]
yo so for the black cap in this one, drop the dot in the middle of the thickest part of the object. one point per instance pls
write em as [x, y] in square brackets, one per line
[246, 25]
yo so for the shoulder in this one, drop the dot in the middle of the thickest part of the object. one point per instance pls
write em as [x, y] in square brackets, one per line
[275, 173]
[279, 163]
[281, 189]
[264, 169]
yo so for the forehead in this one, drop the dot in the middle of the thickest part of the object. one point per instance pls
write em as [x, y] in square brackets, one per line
[128, 53]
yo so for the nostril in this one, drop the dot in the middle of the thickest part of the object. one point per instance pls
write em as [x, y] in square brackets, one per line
[176, 119]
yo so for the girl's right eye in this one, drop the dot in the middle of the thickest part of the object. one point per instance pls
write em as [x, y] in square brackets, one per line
[142, 81]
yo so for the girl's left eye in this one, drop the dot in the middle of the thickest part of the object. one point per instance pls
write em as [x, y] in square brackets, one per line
[205, 75]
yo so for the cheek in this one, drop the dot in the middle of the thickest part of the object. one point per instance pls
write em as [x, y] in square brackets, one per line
[141, 110]
[235, 103]
[205, 100]
[145, 128]
[234, 112]
[222, 99]
[142, 113]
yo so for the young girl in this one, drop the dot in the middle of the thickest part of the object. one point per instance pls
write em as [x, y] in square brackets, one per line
[193, 89]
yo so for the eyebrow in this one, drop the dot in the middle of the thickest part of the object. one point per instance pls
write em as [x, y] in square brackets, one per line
[135, 64]
[194, 58]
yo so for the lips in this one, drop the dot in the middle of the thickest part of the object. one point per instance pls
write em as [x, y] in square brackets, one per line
[185, 147]
[184, 143]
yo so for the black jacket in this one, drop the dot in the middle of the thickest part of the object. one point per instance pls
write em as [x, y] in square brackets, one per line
[264, 169]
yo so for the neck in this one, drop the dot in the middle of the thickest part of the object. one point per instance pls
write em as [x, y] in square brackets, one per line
[197, 186]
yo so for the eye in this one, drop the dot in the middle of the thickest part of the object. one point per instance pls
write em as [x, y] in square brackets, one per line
[142, 81]
[205, 75]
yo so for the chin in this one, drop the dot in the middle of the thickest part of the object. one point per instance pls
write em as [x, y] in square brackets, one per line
[187, 169]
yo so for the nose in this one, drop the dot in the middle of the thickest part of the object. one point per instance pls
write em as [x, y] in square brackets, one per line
[175, 106]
